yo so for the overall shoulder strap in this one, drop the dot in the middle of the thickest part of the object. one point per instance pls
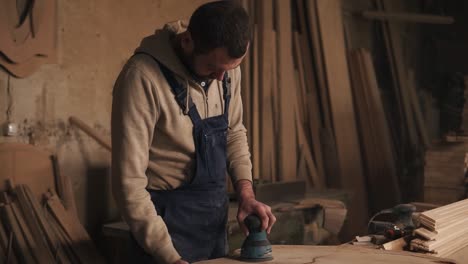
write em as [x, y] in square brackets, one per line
[226, 93]
[180, 92]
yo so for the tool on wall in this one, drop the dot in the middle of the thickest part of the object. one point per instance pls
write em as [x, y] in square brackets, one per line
[401, 224]
[256, 246]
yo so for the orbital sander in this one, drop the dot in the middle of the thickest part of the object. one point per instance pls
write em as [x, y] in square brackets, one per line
[256, 247]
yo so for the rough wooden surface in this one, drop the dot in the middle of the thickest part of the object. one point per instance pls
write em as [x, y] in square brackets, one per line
[289, 254]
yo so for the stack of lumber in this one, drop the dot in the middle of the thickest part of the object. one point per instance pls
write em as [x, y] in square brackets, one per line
[444, 229]
[31, 232]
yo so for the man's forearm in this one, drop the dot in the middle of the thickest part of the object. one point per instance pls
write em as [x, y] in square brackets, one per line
[244, 190]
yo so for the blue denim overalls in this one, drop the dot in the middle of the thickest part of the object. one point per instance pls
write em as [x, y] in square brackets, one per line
[196, 213]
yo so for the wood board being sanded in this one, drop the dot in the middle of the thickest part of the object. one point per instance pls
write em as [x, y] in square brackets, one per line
[299, 254]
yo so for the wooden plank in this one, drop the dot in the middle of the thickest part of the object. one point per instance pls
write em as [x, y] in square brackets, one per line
[287, 92]
[315, 180]
[375, 138]
[256, 156]
[341, 103]
[64, 187]
[42, 250]
[327, 160]
[440, 211]
[3, 240]
[82, 243]
[416, 106]
[19, 243]
[246, 87]
[50, 237]
[397, 66]
[10, 255]
[275, 108]
[313, 28]
[266, 39]
[408, 17]
[65, 243]
[32, 246]
[299, 254]
[309, 95]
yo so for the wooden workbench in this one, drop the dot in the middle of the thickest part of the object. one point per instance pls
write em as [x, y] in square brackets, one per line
[298, 254]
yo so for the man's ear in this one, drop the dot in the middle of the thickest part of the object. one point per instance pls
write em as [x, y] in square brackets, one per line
[187, 42]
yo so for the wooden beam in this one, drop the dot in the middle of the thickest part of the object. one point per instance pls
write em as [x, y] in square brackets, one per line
[342, 110]
[408, 17]
[256, 143]
[287, 150]
[266, 53]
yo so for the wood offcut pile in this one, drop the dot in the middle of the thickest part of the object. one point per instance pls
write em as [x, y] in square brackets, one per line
[443, 230]
[32, 232]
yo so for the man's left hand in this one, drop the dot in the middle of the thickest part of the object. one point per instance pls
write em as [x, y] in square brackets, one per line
[249, 205]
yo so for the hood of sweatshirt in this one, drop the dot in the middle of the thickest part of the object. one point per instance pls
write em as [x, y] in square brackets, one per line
[159, 47]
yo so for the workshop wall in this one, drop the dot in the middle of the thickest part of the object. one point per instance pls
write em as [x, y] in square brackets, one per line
[95, 38]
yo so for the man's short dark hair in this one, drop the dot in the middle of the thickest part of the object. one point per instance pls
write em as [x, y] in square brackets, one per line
[220, 24]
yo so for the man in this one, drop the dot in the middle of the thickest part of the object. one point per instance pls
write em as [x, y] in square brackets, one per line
[176, 129]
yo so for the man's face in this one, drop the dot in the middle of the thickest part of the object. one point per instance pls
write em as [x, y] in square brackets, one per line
[214, 64]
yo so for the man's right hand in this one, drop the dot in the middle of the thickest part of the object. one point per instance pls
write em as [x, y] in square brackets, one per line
[181, 261]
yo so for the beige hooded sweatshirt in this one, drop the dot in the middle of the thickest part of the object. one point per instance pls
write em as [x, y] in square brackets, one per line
[152, 142]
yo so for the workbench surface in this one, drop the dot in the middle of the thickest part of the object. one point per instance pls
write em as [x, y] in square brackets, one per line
[344, 254]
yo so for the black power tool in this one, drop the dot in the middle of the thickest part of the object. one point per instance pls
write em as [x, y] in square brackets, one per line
[256, 247]
[401, 224]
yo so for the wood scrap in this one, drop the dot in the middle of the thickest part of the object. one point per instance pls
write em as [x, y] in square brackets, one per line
[397, 244]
